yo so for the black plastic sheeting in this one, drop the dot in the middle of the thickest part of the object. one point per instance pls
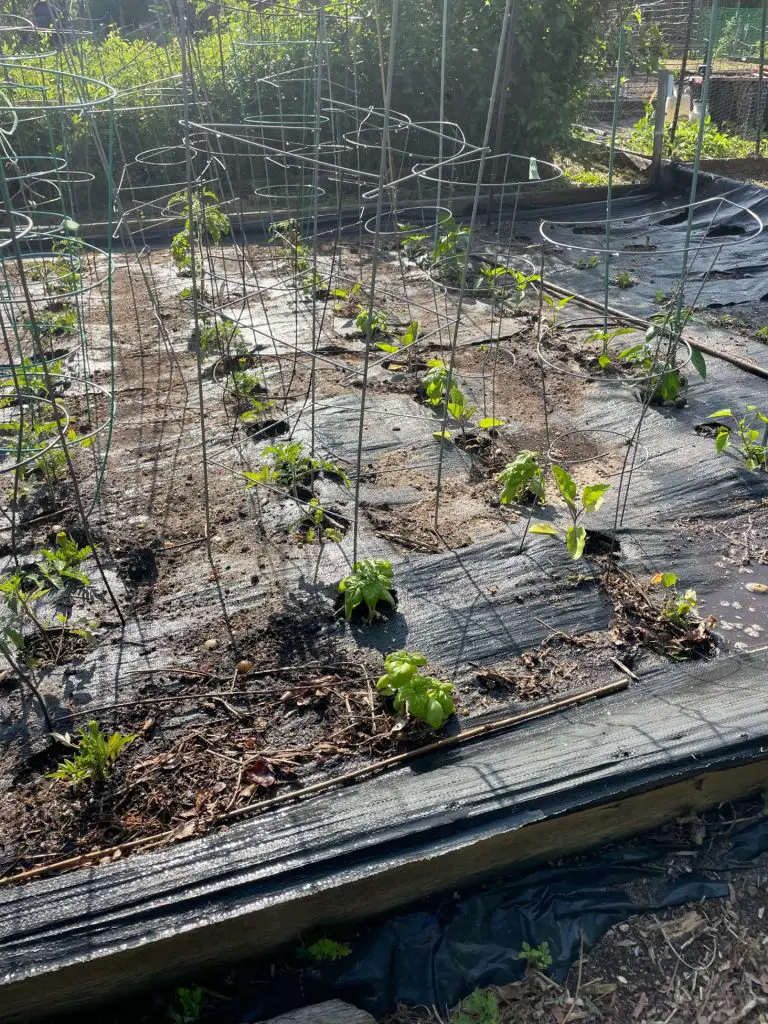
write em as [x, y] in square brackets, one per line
[436, 954]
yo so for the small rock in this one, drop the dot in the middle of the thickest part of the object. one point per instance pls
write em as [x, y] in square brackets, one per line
[757, 588]
[211, 645]
[244, 667]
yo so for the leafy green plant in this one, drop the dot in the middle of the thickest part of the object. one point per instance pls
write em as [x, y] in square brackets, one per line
[54, 322]
[257, 411]
[404, 342]
[290, 465]
[22, 591]
[190, 1003]
[605, 338]
[762, 334]
[326, 949]
[451, 248]
[435, 381]
[459, 406]
[348, 306]
[536, 956]
[204, 224]
[716, 143]
[95, 756]
[61, 565]
[371, 324]
[316, 525]
[592, 497]
[247, 383]
[521, 477]
[752, 432]
[555, 306]
[421, 696]
[480, 1007]
[624, 279]
[678, 608]
[504, 284]
[588, 262]
[315, 286]
[216, 336]
[369, 583]
[655, 359]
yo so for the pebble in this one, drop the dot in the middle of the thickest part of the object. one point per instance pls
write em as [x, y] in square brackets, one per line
[211, 645]
[244, 667]
[757, 588]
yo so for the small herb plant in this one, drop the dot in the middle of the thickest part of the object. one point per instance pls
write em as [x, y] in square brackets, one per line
[257, 411]
[624, 279]
[290, 465]
[588, 262]
[216, 336]
[50, 323]
[369, 583]
[752, 432]
[188, 1007]
[536, 956]
[317, 525]
[61, 565]
[555, 306]
[247, 383]
[592, 497]
[286, 235]
[522, 477]
[435, 382]
[762, 334]
[504, 284]
[326, 949]
[95, 756]
[399, 345]
[423, 697]
[678, 608]
[480, 1007]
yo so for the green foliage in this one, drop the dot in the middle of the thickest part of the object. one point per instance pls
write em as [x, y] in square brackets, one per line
[317, 525]
[188, 1007]
[326, 949]
[605, 338]
[435, 381]
[369, 583]
[588, 262]
[290, 465]
[421, 696]
[371, 324]
[459, 406]
[61, 565]
[286, 236]
[95, 756]
[625, 280]
[592, 497]
[50, 323]
[204, 224]
[503, 284]
[678, 608]
[480, 1007]
[752, 432]
[523, 476]
[257, 411]
[716, 144]
[247, 383]
[555, 306]
[408, 337]
[536, 956]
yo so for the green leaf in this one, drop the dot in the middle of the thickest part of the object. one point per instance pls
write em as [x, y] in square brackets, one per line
[386, 347]
[698, 363]
[488, 423]
[720, 412]
[575, 539]
[442, 435]
[546, 528]
[566, 485]
[593, 495]
[722, 440]
[604, 360]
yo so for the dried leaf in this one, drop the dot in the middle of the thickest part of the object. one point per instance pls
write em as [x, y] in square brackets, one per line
[757, 588]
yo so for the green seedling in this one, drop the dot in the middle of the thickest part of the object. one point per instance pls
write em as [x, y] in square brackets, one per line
[60, 566]
[423, 697]
[435, 381]
[592, 497]
[22, 591]
[504, 283]
[522, 477]
[587, 263]
[290, 465]
[317, 525]
[95, 756]
[50, 323]
[286, 235]
[257, 411]
[408, 337]
[315, 286]
[536, 956]
[555, 306]
[661, 380]
[624, 279]
[459, 406]
[217, 336]
[660, 297]
[349, 306]
[369, 583]
[679, 609]
[752, 432]
[480, 1007]
[247, 383]
[324, 950]
[188, 1007]
[371, 324]
[762, 334]
[605, 338]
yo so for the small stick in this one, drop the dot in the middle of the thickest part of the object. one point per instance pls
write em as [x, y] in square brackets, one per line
[623, 668]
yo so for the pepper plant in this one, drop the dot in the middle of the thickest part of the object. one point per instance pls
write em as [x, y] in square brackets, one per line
[752, 432]
[521, 477]
[592, 497]
[290, 465]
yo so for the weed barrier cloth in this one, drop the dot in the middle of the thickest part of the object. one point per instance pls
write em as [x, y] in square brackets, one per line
[481, 605]
[436, 954]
